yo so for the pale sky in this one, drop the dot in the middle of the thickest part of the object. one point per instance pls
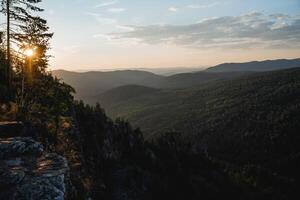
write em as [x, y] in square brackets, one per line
[102, 34]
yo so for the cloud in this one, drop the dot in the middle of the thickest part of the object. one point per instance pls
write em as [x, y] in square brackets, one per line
[123, 43]
[116, 10]
[111, 22]
[173, 9]
[245, 31]
[103, 20]
[105, 4]
[202, 6]
[124, 27]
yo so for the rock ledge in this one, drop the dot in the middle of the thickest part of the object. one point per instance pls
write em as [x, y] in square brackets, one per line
[28, 173]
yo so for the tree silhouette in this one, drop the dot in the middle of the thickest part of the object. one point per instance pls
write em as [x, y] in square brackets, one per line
[25, 29]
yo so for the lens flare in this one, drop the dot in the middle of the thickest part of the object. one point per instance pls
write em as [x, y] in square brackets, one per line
[29, 52]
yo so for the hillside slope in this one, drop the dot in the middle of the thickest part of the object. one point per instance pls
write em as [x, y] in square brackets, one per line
[124, 93]
[260, 111]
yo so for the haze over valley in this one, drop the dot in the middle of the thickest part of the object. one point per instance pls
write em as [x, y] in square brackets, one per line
[89, 85]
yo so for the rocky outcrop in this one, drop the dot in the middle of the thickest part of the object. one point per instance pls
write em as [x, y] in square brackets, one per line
[27, 172]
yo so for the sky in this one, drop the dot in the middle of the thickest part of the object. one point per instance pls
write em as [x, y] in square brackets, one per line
[114, 34]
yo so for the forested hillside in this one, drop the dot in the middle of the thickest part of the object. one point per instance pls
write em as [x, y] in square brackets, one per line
[111, 160]
[250, 118]
[125, 93]
[256, 89]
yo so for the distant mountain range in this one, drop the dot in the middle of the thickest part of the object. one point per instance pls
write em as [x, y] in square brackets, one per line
[256, 66]
[91, 84]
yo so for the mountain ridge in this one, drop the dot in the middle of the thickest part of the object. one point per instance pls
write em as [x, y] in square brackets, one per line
[89, 85]
[256, 66]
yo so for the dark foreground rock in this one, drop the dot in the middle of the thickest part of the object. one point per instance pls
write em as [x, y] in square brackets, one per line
[28, 173]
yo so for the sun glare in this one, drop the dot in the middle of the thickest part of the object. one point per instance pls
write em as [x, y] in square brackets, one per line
[29, 52]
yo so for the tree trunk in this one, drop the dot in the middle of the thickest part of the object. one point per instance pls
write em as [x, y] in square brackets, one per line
[8, 70]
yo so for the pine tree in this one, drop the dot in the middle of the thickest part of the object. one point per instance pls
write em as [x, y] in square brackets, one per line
[26, 30]
[34, 35]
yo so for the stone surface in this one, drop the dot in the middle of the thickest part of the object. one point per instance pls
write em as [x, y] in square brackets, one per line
[27, 173]
[19, 146]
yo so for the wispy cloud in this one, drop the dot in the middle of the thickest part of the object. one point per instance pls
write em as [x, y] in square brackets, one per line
[124, 43]
[202, 6]
[109, 22]
[124, 27]
[173, 9]
[105, 4]
[101, 19]
[116, 10]
[245, 31]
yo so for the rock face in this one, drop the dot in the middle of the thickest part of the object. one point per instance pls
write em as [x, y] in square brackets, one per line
[16, 147]
[28, 173]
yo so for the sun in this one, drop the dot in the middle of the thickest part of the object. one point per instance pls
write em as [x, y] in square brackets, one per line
[29, 52]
